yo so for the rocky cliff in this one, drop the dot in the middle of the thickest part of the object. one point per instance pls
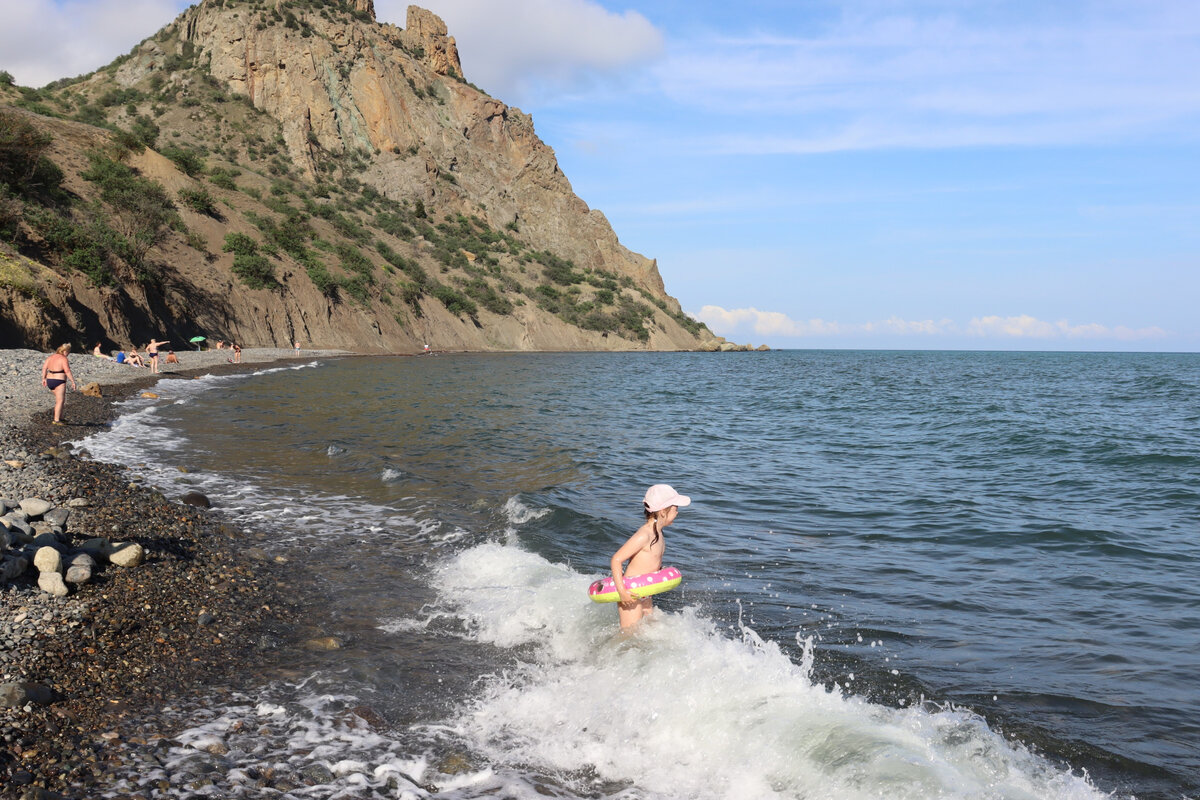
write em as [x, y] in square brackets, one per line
[325, 178]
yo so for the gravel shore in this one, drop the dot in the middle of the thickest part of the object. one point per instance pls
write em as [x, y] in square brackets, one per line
[205, 603]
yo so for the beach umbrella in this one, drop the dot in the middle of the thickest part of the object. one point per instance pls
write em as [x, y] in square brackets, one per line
[196, 341]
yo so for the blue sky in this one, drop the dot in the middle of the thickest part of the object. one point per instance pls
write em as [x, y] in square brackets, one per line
[876, 173]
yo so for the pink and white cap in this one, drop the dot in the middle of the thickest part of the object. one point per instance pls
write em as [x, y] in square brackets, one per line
[660, 496]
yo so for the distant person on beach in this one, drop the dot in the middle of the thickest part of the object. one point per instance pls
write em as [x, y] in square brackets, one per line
[237, 352]
[120, 357]
[134, 358]
[427, 351]
[644, 551]
[152, 352]
[55, 374]
[220, 344]
[98, 353]
[172, 358]
[297, 346]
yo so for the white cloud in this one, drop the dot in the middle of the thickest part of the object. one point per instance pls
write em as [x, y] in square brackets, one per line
[1027, 327]
[42, 41]
[530, 50]
[947, 74]
[732, 323]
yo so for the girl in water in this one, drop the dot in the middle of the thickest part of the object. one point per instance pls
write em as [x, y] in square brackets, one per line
[55, 374]
[644, 550]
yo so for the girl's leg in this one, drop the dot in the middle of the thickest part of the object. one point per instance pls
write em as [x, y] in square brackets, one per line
[629, 617]
[60, 395]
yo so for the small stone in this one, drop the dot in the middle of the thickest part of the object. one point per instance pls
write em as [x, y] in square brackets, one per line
[196, 499]
[91, 390]
[78, 502]
[325, 643]
[52, 583]
[127, 554]
[82, 560]
[15, 695]
[454, 764]
[48, 559]
[35, 506]
[78, 574]
[318, 773]
[57, 516]
[205, 618]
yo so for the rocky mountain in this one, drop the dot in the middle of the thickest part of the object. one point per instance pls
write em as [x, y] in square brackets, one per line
[295, 170]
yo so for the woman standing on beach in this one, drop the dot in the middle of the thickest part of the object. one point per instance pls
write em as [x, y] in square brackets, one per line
[152, 351]
[55, 374]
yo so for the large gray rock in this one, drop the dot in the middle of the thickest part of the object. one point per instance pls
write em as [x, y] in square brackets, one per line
[52, 583]
[57, 516]
[48, 559]
[35, 506]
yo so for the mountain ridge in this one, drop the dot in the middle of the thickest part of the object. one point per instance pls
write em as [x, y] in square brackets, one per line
[333, 180]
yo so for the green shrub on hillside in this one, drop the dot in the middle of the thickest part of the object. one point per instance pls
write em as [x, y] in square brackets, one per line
[224, 178]
[240, 244]
[255, 271]
[200, 201]
[455, 302]
[355, 261]
[24, 166]
[487, 296]
[190, 162]
[142, 213]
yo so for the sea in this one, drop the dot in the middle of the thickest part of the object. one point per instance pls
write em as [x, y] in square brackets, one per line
[905, 574]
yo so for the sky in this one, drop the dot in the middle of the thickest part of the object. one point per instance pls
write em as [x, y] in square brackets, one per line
[892, 174]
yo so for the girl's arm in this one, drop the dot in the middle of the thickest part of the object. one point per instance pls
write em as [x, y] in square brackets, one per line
[631, 548]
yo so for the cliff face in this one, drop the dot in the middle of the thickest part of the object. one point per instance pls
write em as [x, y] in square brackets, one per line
[331, 98]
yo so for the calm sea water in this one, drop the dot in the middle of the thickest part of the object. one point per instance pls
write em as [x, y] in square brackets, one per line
[906, 574]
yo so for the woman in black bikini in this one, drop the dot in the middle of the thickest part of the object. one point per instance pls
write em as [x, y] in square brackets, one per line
[152, 352]
[55, 374]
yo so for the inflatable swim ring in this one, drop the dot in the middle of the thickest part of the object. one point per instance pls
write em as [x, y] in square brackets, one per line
[666, 579]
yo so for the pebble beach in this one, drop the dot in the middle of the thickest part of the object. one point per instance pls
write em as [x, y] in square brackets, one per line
[164, 596]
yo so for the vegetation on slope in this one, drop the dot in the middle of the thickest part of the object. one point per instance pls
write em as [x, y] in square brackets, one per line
[352, 242]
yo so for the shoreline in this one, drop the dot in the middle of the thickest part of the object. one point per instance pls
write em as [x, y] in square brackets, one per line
[206, 605]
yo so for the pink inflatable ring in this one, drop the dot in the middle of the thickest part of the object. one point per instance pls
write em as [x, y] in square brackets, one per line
[666, 579]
